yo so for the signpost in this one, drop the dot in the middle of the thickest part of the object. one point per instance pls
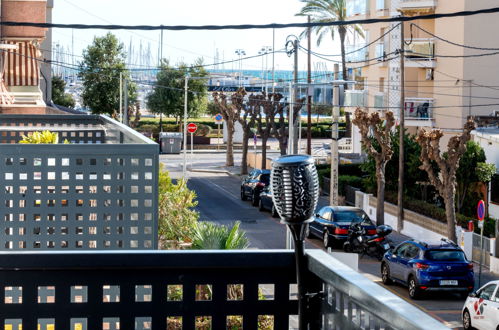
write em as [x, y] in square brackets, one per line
[192, 128]
[480, 213]
[219, 120]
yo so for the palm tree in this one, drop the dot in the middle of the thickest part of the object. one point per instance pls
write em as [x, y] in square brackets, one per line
[326, 11]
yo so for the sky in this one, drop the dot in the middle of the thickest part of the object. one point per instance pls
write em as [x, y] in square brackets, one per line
[186, 46]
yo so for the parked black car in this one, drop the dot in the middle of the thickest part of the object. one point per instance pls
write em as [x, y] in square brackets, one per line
[331, 224]
[253, 185]
[266, 202]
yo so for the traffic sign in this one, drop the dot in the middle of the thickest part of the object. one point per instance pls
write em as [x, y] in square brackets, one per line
[219, 118]
[480, 210]
[192, 128]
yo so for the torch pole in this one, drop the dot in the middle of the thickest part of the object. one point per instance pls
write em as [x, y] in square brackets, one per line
[298, 232]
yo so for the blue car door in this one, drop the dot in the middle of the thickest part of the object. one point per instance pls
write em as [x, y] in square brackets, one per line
[406, 263]
[321, 221]
[395, 264]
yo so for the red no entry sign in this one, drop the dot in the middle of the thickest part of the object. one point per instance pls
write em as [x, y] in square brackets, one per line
[191, 128]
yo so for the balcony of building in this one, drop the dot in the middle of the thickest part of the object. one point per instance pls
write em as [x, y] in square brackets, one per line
[420, 53]
[193, 290]
[356, 53]
[357, 8]
[418, 111]
[413, 7]
[98, 191]
[355, 99]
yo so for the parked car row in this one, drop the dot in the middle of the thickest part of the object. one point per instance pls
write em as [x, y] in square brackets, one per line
[420, 266]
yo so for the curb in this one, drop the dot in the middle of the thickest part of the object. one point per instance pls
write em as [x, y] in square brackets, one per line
[200, 170]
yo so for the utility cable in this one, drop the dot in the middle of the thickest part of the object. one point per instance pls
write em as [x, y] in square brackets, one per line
[251, 26]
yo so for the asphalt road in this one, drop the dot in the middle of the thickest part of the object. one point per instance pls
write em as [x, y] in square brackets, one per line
[219, 202]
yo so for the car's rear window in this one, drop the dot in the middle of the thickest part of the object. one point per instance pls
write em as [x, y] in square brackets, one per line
[445, 255]
[265, 178]
[351, 216]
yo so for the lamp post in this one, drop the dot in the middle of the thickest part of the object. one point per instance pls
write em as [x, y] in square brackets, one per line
[265, 51]
[241, 53]
[295, 193]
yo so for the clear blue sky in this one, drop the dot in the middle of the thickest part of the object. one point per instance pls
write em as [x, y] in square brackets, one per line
[187, 45]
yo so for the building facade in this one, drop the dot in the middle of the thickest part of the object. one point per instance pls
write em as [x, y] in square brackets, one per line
[444, 81]
[25, 86]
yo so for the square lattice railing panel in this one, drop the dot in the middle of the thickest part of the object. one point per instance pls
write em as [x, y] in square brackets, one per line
[79, 196]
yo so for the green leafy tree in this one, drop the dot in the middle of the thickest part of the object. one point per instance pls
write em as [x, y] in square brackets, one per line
[484, 173]
[100, 71]
[58, 95]
[176, 215]
[167, 97]
[467, 178]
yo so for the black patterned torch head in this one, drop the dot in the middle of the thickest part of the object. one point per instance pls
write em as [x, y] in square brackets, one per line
[295, 188]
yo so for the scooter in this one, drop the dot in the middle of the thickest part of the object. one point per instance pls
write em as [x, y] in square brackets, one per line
[374, 246]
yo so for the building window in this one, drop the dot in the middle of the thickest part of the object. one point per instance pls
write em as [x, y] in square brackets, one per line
[494, 189]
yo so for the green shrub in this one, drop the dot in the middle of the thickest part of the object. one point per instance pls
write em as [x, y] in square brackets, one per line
[348, 180]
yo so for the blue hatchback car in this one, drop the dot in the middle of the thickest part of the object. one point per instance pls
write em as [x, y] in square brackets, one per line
[431, 266]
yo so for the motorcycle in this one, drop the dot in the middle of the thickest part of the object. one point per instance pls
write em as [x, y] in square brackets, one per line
[374, 246]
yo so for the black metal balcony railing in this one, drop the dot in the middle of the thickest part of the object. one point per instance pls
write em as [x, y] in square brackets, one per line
[190, 290]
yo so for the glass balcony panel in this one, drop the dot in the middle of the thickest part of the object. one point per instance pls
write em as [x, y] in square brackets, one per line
[354, 53]
[420, 49]
[357, 7]
[355, 98]
[379, 101]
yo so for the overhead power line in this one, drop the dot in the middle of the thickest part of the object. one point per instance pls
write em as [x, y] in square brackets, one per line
[250, 26]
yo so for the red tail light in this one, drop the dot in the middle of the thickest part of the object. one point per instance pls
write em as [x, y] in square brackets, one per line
[421, 266]
[260, 184]
[379, 239]
[371, 232]
[423, 287]
[341, 231]
[470, 266]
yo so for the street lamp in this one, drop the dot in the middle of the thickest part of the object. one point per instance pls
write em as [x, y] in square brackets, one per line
[295, 193]
[265, 51]
[241, 53]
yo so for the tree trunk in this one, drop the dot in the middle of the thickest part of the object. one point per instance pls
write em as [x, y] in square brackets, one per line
[264, 152]
[450, 214]
[380, 206]
[230, 145]
[244, 161]
[342, 32]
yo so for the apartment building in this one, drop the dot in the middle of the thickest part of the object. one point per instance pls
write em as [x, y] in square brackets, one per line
[444, 82]
[25, 87]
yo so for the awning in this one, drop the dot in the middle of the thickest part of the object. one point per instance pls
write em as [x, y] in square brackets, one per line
[21, 65]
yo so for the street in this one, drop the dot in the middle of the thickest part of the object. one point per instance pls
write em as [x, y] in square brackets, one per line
[219, 201]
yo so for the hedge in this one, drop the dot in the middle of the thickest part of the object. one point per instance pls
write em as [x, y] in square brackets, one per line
[438, 213]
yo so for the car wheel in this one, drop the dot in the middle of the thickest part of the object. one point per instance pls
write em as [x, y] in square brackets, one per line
[260, 205]
[274, 212]
[243, 195]
[385, 274]
[414, 291]
[325, 239]
[254, 199]
[467, 320]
